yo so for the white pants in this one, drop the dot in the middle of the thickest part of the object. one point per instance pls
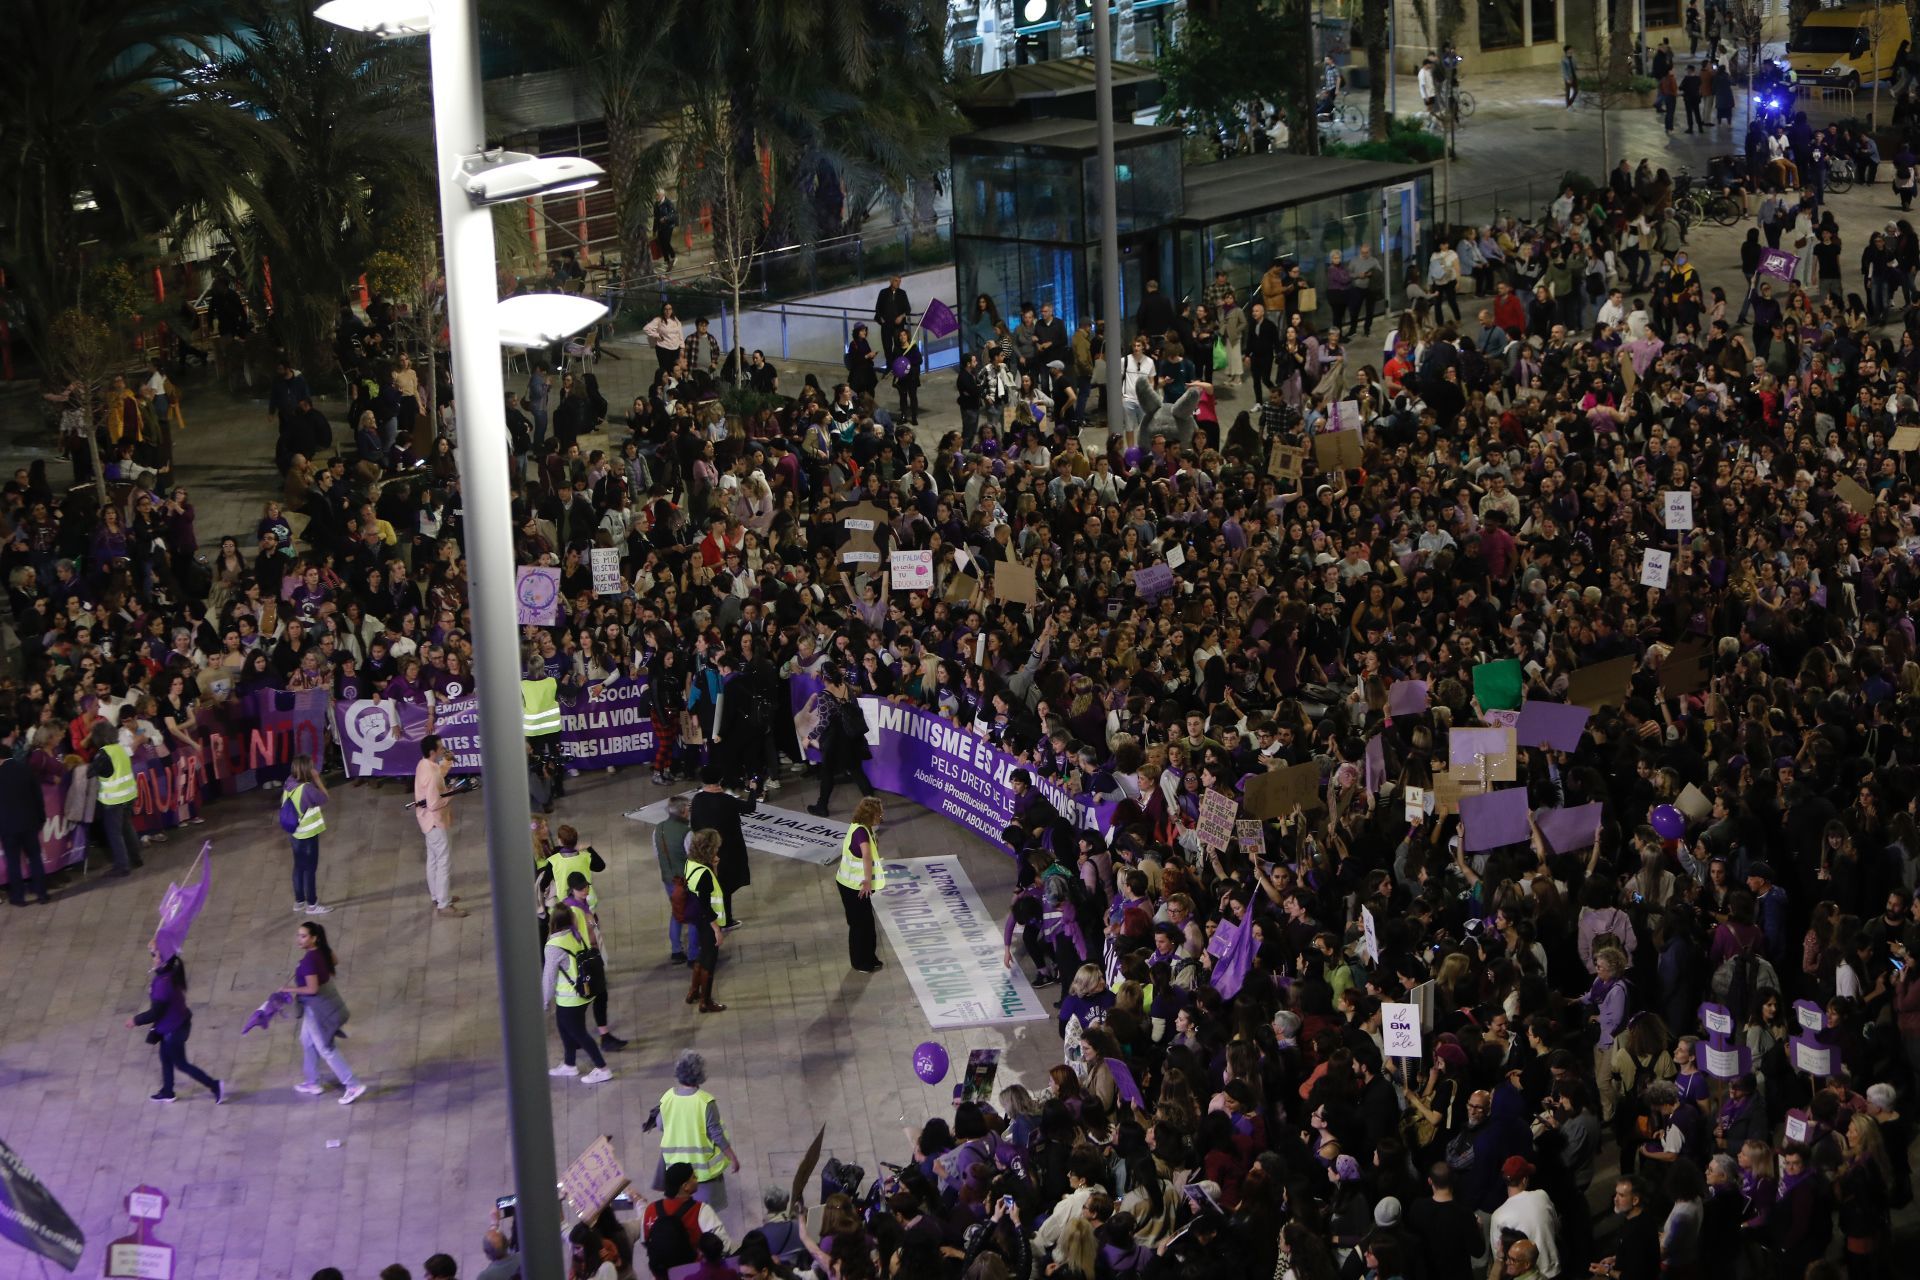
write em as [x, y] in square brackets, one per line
[316, 1051]
[439, 870]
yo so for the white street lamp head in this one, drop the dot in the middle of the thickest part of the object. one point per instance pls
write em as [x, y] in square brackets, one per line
[387, 19]
[495, 177]
[542, 319]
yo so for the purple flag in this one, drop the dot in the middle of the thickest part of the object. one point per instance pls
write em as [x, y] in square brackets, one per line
[939, 320]
[1123, 1080]
[1406, 697]
[264, 1014]
[1777, 263]
[179, 906]
[1230, 970]
[1494, 819]
[1554, 723]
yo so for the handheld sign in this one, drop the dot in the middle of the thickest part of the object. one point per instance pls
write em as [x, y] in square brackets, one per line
[912, 570]
[606, 570]
[1400, 1030]
[1717, 1019]
[1679, 509]
[1728, 1063]
[1655, 567]
[1809, 1055]
[1809, 1016]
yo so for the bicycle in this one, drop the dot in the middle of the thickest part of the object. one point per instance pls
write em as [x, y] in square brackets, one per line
[1344, 117]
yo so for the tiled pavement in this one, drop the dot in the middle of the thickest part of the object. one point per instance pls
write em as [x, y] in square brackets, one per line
[257, 1190]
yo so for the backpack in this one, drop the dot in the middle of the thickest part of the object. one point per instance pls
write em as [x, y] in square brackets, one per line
[289, 814]
[672, 1239]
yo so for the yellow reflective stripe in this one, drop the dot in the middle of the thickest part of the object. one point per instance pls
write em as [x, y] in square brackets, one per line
[120, 788]
[312, 821]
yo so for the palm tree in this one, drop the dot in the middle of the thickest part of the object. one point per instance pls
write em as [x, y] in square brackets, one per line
[105, 131]
[347, 118]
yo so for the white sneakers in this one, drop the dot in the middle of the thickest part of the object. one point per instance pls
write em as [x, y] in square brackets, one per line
[316, 909]
[312, 1090]
[598, 1075]
[353, 1092]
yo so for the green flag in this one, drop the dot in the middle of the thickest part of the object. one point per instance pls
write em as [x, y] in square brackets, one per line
[1497, 684]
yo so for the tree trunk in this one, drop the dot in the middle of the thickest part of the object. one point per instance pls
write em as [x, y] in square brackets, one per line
[1379, 67]
[1620, 38]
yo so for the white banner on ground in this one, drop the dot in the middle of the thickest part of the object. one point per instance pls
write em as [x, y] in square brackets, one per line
[949, 945]
[799, 836]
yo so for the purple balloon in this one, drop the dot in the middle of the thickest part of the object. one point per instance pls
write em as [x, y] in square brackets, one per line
[899, 366]
[930, 1062]
[1668, 821]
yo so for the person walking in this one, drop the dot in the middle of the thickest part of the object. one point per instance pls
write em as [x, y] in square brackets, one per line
[715, 809]
[707, 913]
[1690, 91]
[23, 808]
[575, 869]
[693, 1133]
[430, 808]
[113, 767]
[302, 802]
[670, 851]
[843, 739]
[567, 983]
[323, 1012]
[1570, 75]
[666, 335]
[171, 1022]
[859, 875]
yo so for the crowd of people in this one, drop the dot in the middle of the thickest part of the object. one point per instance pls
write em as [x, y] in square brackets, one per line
[1224, 1105]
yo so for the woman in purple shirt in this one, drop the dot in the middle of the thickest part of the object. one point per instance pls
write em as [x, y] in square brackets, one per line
[322, 1013]
[172, 1022]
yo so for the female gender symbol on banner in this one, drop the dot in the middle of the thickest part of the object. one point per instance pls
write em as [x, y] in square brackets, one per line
[537, 592]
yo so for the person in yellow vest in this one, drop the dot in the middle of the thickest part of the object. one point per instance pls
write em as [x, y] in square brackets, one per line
[706, 912]
[691, 1133]
[306, 794]
[540, 717]
[859, 877]
[112, 766]
[566, 985]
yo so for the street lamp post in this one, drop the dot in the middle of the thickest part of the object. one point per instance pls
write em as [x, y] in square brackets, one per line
[459, 130]
[1115, 346]
[470, 179]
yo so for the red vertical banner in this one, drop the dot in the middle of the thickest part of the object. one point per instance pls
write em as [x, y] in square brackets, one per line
[159, 286]
[361, 284]
[266, 281]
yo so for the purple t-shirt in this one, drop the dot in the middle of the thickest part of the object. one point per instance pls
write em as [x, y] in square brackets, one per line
[311, 963]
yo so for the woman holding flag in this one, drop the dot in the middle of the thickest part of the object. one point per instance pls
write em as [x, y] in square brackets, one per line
[171, 1022]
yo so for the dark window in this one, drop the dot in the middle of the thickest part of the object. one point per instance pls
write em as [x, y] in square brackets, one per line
[1662, 13]
[1500, 24]
[1546, 21]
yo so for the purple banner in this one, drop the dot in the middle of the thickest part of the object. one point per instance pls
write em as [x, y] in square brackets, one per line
[1777, 263]
[936, 763]
[602, 725]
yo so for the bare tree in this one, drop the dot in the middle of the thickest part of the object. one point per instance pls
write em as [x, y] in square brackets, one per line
[1746, 24]
[722, 171]
[85, 354]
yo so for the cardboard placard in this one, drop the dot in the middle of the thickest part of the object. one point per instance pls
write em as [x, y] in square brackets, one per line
[1215, 823]
[1848, 490]
[1684, 669]
[912, 570]
[1572, 829]
[1904, 439]
[1274, 794]
[1251, 835]
[1153, 581]
[1449, 788]
[1338, 450]
[1014, 583]
[1469, 748]
[1603, 684]
[1400, 1030]
[606, 570]
[1285, 461]
[591, 1182]
[1694, 803]
[960, 588]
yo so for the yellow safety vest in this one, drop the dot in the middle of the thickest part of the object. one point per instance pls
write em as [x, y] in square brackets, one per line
[853, 872]
[120, 788]
[564, 865]
[540, 707]
[565, 992]
[312, 821]
[683, 1134]
[715, 898]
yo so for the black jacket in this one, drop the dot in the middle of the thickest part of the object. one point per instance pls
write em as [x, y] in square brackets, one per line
[21, 810]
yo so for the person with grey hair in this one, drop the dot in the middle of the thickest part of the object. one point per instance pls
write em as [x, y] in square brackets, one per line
[670, 851]
[692, 1133]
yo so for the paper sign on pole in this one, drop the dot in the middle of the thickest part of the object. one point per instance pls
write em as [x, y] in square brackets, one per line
[1809, 1016]
[1416, 804]
[1175, 557]
[1370, 936]
[912, 570]
[1215, 824]
[1251, 835]
[606, 570]
[1717, 1019]
[1725, 1062]
[1679, 508]
[1654, 568]
[1810, 1056]
[1400, 1030]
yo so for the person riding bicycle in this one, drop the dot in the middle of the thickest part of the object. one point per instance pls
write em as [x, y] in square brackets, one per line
[1330, 82]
